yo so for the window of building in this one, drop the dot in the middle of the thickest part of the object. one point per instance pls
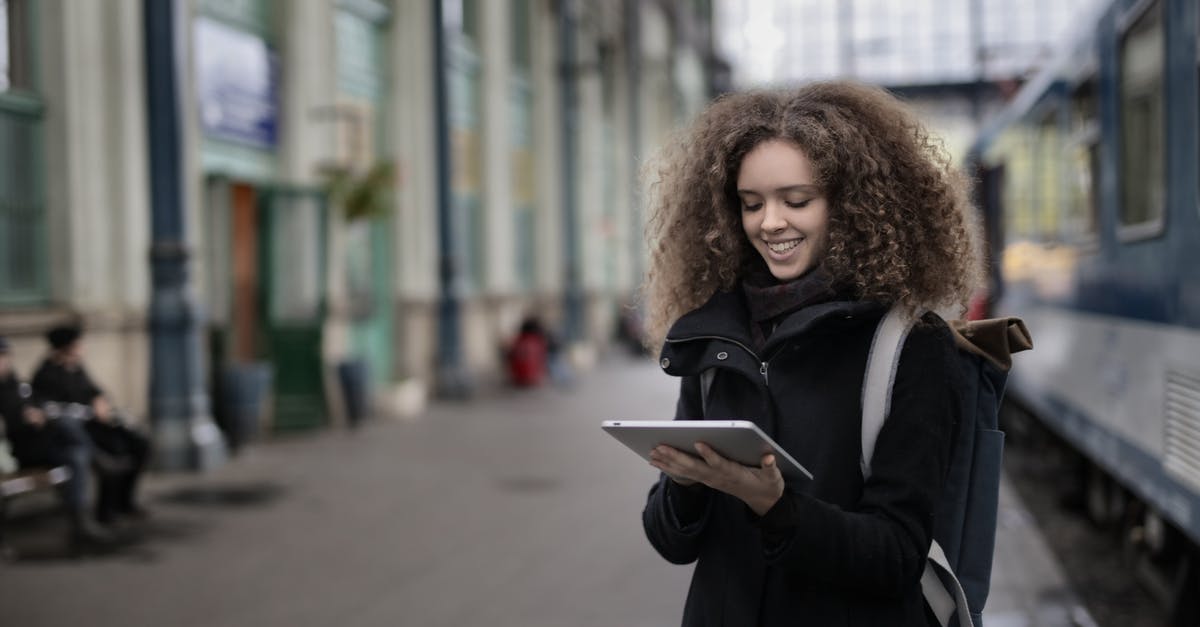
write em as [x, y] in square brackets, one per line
[1142, 146]
[5, 55]
[15, 62]
[521, 132]
[361, 116]
[521, 25]
[23, 275]
[464, 83]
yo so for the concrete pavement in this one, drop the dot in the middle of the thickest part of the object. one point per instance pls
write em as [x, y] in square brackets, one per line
[509, 510]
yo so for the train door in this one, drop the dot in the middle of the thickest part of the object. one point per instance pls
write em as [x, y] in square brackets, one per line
[991, 195]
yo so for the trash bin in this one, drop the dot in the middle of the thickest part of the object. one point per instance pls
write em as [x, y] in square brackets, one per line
[245, 389]
[354, 376]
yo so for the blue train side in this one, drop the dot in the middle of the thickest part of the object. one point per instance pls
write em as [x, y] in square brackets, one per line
[1088, 182]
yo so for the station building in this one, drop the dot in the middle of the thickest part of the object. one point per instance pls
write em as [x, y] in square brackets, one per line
[322, 231]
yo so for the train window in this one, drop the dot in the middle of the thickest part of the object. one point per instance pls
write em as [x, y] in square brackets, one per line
[1048, 203]
[1019, 182]
[1082, 159]
[1142, 145]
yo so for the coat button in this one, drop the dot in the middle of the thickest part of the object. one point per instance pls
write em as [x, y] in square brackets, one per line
[665, 363]
[722, 355]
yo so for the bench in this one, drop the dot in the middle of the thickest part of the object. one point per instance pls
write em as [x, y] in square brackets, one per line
[25, 481]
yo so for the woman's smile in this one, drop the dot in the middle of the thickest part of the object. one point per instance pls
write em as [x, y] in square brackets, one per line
[782, 249]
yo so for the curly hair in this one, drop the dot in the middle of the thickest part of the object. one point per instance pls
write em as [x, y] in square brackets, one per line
[901, 227]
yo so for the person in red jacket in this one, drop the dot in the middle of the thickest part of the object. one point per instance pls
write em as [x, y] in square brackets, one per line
[528, 354]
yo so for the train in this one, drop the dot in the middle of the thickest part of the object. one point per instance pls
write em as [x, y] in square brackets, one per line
[1088, 181]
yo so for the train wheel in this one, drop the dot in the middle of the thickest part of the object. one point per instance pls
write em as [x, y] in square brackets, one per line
[1185, 594]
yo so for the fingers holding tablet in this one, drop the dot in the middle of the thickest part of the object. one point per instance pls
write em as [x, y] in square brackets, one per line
[759, 487]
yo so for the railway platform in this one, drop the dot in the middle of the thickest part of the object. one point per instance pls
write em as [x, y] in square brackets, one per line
[507, 510]
[1029, 588]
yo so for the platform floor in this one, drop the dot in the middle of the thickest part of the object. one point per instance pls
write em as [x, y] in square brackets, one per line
[509, 510]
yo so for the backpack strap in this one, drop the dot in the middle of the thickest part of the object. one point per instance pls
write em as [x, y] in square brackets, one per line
[935, 589]
[878, 380]
[882, 363]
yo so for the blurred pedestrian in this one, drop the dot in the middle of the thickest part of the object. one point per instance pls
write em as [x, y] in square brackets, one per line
[786, 224]
[41, 440]
[61, 378]
[528, 354]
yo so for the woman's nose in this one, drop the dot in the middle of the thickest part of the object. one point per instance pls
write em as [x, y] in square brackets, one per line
[773, 219]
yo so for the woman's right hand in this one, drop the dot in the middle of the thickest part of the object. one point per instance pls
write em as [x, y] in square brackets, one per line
[758, 487]
[661, 454]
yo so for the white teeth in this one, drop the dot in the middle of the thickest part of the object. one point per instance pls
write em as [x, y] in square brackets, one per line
[783, 247]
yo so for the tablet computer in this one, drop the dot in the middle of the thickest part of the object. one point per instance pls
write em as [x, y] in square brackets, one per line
[739, 440]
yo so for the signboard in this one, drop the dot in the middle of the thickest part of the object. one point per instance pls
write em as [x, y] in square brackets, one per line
[237, 80]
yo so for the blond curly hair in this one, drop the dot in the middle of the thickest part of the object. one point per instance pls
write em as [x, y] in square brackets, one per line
[901, 227]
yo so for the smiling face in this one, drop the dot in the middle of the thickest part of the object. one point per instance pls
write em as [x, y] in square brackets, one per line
[784, 213]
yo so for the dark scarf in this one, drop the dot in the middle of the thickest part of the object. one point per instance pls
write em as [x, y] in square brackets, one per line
[769, 301]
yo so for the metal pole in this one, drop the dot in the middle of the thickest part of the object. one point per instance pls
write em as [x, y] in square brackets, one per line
[452, 379]
[980, 53]
[185, 436]
[633, 48]
[846, 37]
[572, 292]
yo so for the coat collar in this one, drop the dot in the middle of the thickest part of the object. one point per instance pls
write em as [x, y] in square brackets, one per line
[726, 315]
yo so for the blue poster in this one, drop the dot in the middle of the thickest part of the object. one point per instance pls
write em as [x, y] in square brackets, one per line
[237, 80]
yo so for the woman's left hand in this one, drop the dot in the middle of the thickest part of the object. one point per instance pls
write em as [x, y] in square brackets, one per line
[759, 488]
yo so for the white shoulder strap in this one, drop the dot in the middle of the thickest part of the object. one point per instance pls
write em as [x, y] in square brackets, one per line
[935, 589]
[877, 382]
[882, 362]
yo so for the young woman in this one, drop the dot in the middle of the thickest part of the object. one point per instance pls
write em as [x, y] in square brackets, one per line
[784, 225]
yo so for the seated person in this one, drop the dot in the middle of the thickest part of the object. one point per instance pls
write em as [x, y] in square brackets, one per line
[38, 441]
[61, 378]
[528, 353]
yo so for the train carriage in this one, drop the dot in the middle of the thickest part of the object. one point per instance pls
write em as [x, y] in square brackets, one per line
[1088, 182]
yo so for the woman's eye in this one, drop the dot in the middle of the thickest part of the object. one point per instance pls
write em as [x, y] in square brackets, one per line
[749, 207]
[798, 205]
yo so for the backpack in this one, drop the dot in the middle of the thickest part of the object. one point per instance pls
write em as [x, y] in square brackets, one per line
[964, 531]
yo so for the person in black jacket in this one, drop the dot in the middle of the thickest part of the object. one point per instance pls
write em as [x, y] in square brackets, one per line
[61, 378]
[785, 224]
[41, 440]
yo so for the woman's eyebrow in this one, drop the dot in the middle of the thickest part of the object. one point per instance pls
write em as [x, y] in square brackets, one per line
[802, 187]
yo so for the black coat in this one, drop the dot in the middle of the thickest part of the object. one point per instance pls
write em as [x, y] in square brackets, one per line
[833, 551]
[55, 382]
[32, 446]
[12, 406]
